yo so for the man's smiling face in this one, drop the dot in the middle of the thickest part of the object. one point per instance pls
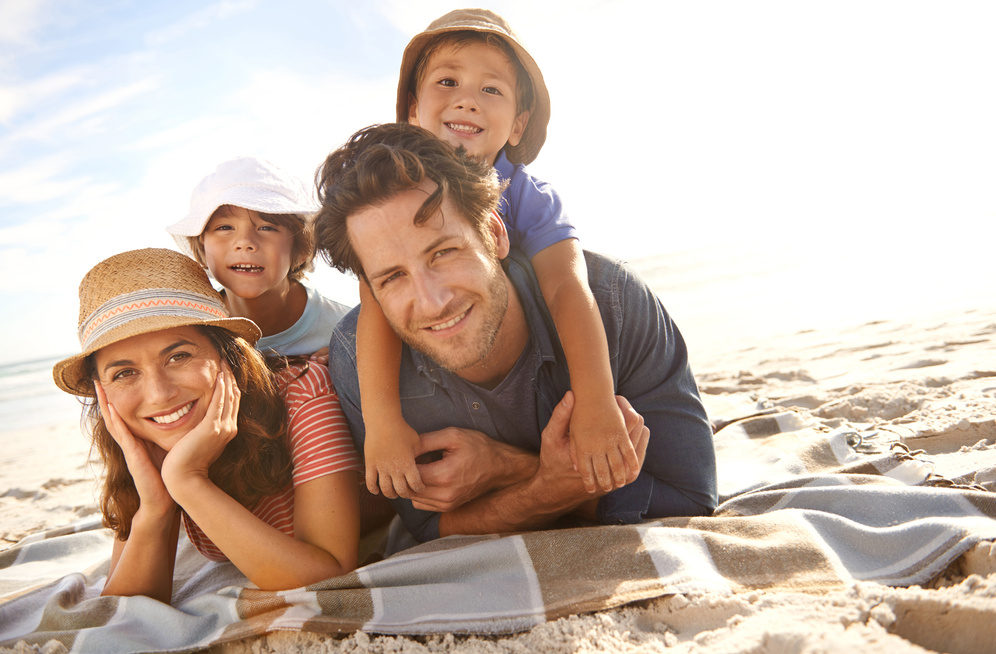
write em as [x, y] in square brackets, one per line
[441, 288]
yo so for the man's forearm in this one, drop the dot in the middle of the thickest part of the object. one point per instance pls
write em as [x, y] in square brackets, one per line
[554, 489]
[530, 504]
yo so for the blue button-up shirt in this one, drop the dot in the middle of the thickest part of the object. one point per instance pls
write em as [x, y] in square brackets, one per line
[650, 368]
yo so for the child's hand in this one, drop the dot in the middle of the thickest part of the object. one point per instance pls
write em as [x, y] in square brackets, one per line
[390, 459]
[321, 356]
[600, 446]
[144, 459]
[203, 444]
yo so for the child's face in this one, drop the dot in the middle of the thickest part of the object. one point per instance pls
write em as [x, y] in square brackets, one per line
[468, 98]
[247, 255]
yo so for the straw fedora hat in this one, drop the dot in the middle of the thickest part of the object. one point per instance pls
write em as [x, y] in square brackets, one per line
[249, 182]
[481, 20]
[139, 292]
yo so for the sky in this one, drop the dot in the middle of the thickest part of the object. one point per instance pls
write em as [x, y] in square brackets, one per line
[846, 131]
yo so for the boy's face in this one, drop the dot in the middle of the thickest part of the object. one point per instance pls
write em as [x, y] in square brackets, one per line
[468, 97]
[247, 255]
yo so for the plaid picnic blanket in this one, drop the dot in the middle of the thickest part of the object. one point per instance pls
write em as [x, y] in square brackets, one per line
[804, 508]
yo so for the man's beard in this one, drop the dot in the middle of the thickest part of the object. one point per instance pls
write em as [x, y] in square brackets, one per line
[494, 305]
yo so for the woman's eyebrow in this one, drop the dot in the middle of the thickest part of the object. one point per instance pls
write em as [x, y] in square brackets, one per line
[179, 343]
[128, 362]
[117, 364]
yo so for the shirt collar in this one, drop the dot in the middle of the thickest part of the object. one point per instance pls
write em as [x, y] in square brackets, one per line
[504, 167]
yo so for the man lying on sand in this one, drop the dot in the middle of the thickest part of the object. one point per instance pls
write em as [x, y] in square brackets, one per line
[482, 369]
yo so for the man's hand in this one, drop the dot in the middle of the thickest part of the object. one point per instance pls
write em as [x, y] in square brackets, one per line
[639, 434]
[510, 490]
[560, 483]
[482, 486]
[471, 465]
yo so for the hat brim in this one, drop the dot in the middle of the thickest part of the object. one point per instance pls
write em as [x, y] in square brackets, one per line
[70, 373]
[534, 136]
[247, 197]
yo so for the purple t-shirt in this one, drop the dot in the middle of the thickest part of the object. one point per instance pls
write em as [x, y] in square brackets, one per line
[532, 209]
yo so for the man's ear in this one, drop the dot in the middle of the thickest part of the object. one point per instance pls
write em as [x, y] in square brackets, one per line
[518, 128]
[497, 226]
[413, 110]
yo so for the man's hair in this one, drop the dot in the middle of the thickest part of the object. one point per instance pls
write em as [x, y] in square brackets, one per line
[380, 161]
[302, 249]
[461, 39]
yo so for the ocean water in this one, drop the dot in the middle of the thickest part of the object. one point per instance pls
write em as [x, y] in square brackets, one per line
[29, 398]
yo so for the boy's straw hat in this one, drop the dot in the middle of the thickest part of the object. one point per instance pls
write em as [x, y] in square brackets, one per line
[138, 292]
[482, 20]
[248, 182]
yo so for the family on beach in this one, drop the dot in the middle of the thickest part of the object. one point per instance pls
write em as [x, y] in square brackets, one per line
[494, 378]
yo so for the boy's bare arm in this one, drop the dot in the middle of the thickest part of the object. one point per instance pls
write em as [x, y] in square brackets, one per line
[391, 445]
[600, 447]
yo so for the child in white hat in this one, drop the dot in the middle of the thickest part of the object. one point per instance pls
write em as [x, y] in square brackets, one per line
[250, 225]
[468, 80]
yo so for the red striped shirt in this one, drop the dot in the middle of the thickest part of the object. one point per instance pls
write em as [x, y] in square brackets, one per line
[320, 445]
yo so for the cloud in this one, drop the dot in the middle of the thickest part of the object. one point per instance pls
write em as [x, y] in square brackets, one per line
[540, 18]
[326, 110]
[17, 99]
[751, 124]
[37, 181]
[96, 106]
[19, 19]
[197, 128]
[198, 20]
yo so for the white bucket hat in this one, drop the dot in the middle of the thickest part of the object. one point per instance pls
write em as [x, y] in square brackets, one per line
[248, 182]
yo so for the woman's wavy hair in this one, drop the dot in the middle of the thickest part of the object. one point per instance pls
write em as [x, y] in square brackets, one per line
[380, 161]
[255, 464]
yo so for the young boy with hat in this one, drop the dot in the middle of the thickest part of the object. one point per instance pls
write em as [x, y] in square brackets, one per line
[250, 225]
[468, 80]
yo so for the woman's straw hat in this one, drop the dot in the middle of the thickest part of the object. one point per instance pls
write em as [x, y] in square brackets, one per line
[139, 292]
[482, 20]
[248, 182]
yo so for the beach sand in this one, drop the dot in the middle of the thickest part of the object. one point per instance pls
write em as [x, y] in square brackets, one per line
[925, 376]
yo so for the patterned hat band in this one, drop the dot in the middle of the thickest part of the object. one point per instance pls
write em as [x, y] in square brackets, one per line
[147, 303]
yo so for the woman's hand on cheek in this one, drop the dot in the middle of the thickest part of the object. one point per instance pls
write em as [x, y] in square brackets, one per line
[144, 459]
[193, 454]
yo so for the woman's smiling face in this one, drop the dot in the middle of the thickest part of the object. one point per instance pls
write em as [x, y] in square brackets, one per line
[160, 383]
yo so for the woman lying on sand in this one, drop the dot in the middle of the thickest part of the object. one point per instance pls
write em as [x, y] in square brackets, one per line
[193, 426]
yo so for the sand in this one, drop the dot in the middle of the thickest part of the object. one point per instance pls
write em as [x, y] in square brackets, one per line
[46, 480]
[926, 378]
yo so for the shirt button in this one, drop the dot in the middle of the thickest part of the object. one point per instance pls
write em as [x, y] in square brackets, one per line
[475, 406]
